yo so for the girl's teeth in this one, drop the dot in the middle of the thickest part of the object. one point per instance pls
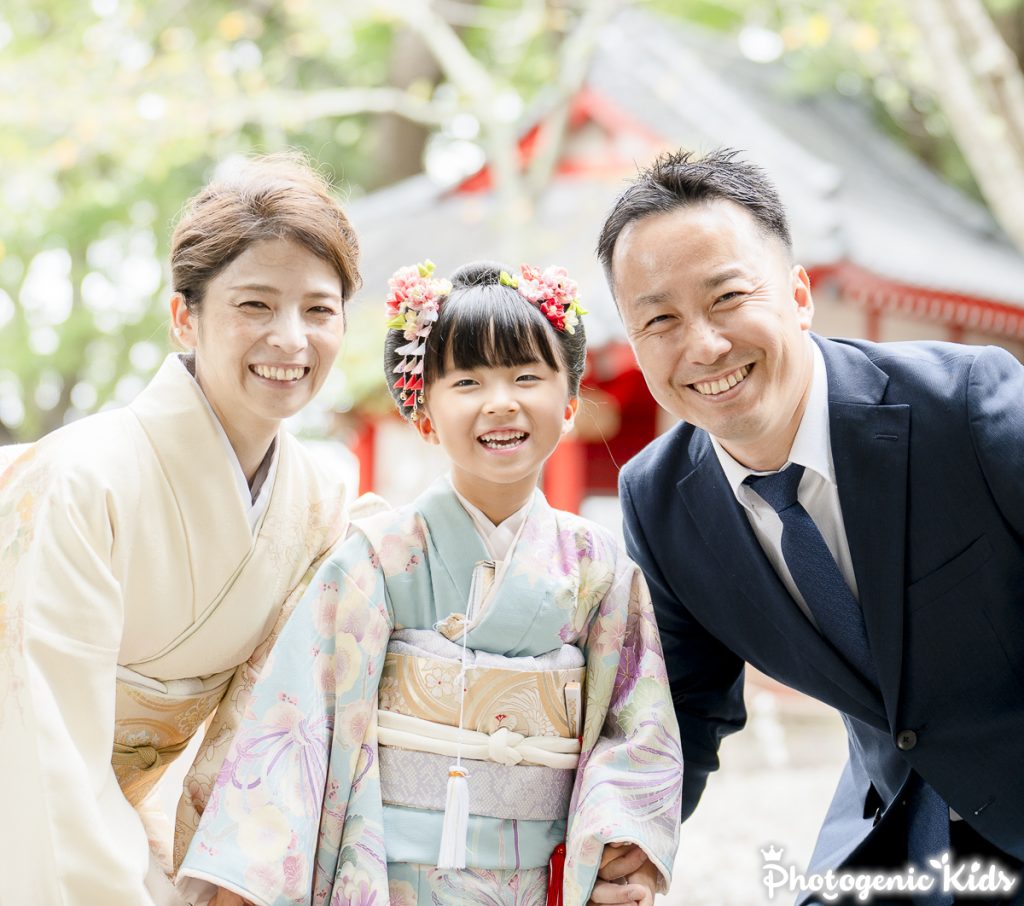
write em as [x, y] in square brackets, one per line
[500, 439]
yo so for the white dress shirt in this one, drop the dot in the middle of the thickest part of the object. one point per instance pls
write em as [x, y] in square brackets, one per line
[818, 492]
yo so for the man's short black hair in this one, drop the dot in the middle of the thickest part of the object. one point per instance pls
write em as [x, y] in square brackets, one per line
[680, 178]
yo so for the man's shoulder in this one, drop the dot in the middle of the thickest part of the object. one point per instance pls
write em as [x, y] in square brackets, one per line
[672, 455]
[912, 357]
[915, 372]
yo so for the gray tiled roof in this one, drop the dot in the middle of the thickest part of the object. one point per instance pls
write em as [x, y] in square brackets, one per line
[852, 192]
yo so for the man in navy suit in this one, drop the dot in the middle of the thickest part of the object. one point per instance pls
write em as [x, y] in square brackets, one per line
[846, 516]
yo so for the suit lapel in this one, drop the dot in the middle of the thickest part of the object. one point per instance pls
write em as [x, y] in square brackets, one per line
[724, 527]
[870, 444]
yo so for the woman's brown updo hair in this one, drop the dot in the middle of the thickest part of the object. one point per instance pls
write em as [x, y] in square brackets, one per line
[273, 197]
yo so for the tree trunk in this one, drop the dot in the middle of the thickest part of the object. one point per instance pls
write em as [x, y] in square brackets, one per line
[574, 62]
[981, 88]
[398, 142]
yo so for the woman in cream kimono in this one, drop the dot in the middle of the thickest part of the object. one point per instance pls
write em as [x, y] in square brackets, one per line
[146, 553]
[470, 702]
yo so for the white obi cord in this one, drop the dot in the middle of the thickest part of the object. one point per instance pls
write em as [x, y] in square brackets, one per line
[503, 746]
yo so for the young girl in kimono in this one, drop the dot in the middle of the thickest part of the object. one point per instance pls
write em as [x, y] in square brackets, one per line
[470, 703]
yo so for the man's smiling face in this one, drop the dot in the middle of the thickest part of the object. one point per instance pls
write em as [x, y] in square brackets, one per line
[718, 318]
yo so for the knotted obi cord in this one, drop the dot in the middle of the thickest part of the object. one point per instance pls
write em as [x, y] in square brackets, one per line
[144, 757]
[154, 723]
[523, 792]
[502, 746]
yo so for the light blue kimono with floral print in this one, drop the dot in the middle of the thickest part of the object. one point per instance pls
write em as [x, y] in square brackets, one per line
[297, 814]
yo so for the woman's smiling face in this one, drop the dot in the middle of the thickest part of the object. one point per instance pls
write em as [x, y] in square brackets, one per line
[265, 336]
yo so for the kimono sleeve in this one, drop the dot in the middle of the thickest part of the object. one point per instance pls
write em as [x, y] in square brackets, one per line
[76, 839]
[629, 781]
[277, 817]
[705, 677]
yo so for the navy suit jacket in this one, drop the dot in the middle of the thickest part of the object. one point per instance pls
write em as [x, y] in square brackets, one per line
[928, 445]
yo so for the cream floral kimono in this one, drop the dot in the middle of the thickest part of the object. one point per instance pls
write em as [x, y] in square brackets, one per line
[135, 597]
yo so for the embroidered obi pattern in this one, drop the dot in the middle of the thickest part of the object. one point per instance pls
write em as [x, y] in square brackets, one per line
[532, 696]
[154, 726]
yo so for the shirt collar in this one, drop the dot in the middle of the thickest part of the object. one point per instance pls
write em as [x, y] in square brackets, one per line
[812, 446]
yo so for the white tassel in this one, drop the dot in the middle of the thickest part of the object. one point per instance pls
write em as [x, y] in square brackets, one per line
[456, 820]
[455, 828]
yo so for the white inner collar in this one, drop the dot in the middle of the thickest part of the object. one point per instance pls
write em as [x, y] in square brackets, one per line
[253, 499]
[498, 539]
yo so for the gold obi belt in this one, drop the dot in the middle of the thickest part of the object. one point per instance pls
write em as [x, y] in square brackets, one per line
[154, 722]
[519, 738]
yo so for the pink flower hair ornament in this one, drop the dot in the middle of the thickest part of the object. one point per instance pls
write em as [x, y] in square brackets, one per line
[413, 306]
[415, 299]
[552, 291]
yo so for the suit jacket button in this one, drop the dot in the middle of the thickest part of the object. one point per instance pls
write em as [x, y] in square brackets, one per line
[906, 740]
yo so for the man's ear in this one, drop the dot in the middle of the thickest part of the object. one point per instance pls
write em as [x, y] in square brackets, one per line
[425, 427]
[569, 416]
[802, 296]
[184, 324]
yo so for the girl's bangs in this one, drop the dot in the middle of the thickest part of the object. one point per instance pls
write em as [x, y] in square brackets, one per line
[473, 334]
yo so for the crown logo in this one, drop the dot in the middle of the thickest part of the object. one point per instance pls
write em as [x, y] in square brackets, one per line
[771, 854]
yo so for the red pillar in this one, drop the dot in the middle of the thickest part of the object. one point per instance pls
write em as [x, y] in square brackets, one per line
[363, 450]
[565, 478]
[873, 325]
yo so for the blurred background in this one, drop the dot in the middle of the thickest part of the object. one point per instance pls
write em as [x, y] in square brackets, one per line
[460, 129]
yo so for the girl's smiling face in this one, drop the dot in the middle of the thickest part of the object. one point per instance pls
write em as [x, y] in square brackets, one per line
[498, 426]
[500, 378]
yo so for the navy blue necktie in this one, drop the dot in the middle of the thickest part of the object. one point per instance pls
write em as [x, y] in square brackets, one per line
[814, 570]
[840, 620]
